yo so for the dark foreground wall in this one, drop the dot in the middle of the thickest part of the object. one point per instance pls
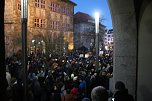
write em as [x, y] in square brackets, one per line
[3, 83]
[144, 88]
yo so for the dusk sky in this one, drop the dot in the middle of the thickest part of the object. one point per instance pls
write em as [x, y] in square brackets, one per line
[91, 6]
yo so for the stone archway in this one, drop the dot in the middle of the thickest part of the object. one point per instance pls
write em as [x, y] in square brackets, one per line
[132, 22]
[144, 89]
[37, 45]
[125, 42]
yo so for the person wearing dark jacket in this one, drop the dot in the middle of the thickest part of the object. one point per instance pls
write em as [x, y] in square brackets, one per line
[121, 93]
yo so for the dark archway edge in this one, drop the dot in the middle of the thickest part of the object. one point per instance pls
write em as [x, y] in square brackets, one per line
[3, 82]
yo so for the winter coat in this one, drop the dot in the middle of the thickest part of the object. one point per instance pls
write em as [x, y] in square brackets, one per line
[123, 95]
[69, 97]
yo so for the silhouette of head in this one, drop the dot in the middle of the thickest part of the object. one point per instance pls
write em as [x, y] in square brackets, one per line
[120, 85]
[99, 93]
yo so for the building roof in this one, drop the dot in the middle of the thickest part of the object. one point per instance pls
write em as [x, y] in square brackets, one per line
[69, 2]
[82, 17]
[92, 24]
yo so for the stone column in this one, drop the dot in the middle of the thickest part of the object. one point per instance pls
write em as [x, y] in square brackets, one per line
[125, 42]
[144, 88]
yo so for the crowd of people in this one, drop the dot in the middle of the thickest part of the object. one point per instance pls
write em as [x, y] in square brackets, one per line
[63, 78]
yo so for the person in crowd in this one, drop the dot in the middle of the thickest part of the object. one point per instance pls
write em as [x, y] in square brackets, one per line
[70, 96]
[82, 86]
[17, 91]
[36, 89]
[8, 76]
[50, 78]
[56, 96]
[99, 93]
[121, 93]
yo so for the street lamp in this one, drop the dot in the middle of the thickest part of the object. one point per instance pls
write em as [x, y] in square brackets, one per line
[24, 13]
[34, 42]
[97, 38]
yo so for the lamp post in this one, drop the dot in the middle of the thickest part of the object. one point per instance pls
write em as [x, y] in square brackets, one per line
[24, 12]
[34, 42]
[97, 38]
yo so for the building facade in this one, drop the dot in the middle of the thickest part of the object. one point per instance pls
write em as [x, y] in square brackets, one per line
[84, 31]
[108, 39]
[49, 26]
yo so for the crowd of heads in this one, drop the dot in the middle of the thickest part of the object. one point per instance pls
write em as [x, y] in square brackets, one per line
[63, 78]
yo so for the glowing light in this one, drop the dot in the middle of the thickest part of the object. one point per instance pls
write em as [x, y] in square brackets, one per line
[70, 46]
[97, 21]
[33, 41]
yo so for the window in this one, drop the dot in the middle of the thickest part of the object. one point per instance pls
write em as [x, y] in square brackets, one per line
[71, 11]
[51, 7]
[19, 6]
[63, 10]
[58, 25]
[108, 35]
[39, 23]
[55, 25]
[55, 7]
[39, 3]
[66, 10]
[51, 24]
